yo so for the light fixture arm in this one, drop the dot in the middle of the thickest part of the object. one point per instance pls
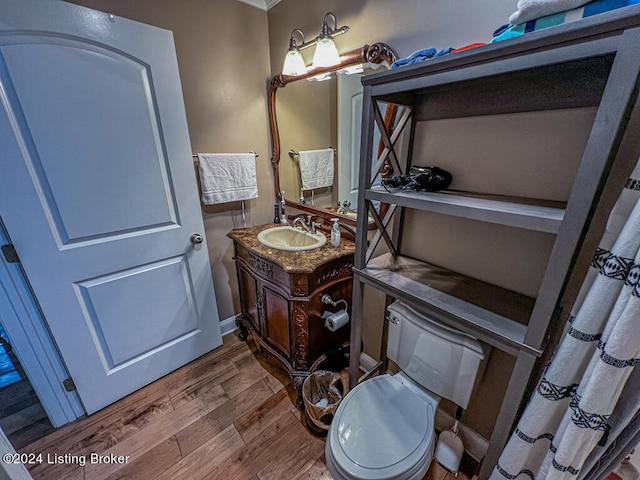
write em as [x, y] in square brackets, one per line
[292, 40]
[335, 31]
[325, 31]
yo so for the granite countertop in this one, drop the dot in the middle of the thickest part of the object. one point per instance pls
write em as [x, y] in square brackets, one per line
[292, 262]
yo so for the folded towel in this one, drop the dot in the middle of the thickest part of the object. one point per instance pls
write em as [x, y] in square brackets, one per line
[420, 56]
[532, 9]
[227, 177]
[590, 9]
[316, 168]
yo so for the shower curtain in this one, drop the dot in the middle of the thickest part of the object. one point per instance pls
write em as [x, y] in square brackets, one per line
[583, 415]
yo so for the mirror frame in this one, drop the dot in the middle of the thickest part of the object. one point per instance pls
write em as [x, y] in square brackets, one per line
[375, 53]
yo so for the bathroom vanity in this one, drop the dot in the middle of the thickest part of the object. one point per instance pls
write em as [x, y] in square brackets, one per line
[280, 299]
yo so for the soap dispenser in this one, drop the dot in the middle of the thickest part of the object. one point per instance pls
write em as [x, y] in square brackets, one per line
[335, 233]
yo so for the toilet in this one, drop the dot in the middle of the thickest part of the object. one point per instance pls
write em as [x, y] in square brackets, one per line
[384, 428]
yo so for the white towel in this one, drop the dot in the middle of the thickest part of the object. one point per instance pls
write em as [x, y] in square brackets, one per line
[533, 9]
[227, 177]
[316, 168]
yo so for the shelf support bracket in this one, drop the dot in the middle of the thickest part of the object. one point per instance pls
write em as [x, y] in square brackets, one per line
[402, 122]
[382, 231]
[388, 144]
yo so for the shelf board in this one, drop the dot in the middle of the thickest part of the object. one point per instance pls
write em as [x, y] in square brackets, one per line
[492, 314]
[549, 87]
[510, 211]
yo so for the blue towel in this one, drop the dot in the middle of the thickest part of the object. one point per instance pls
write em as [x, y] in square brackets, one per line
[421, 56]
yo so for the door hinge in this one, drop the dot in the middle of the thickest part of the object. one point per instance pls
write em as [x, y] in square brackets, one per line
[68, 384]
[10, 254]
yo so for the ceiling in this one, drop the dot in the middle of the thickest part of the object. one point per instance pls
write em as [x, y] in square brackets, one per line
[261, 4]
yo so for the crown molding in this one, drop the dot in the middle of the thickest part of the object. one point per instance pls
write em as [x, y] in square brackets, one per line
[261, 4]
[271, 3]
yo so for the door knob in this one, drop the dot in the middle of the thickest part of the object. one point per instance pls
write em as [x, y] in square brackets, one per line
[196, 239]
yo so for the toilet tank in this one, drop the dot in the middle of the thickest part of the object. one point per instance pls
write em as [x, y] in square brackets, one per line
[442, 359]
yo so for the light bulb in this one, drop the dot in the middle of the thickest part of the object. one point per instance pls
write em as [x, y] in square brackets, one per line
[294, 63]
[326, 54]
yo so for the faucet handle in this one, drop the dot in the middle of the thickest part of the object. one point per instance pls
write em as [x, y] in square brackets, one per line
[314, 227]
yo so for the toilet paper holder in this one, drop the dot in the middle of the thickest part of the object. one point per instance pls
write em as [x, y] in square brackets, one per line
[334, 320]
[327, 300]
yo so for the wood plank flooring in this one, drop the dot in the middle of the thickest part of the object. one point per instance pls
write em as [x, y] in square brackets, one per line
[229, 415]
[22, 418]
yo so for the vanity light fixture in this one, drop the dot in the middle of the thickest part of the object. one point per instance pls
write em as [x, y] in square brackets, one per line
[293, 61]
[326, 54]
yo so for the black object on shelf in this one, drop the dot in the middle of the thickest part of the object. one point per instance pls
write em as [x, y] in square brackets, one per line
[420, 179]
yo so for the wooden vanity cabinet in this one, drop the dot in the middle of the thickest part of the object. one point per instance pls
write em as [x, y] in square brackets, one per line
[281, 305]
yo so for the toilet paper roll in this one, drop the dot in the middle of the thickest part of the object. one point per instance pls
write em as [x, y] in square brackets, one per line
[333, 321]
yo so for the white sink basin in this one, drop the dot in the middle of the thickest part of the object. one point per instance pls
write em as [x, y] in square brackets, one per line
[291, 239]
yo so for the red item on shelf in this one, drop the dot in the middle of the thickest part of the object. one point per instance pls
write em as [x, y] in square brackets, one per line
[468, 47]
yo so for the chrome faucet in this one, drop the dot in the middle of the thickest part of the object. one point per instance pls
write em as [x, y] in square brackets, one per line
[299, 222]
[307, 226]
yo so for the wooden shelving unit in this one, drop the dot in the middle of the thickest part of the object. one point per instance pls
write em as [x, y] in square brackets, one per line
[590, 63]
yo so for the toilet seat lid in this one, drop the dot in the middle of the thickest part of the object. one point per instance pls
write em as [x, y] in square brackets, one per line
[382, 427]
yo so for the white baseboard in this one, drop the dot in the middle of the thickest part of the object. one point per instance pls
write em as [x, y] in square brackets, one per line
[228, 326]
[474, 443]
[367, 363]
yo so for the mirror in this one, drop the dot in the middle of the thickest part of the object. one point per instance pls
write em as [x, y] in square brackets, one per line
[314, 115]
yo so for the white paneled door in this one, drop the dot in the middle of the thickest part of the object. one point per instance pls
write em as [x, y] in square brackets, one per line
[99, 196]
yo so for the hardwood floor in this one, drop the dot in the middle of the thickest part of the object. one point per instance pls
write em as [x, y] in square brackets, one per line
[22, 418]
[229, 415]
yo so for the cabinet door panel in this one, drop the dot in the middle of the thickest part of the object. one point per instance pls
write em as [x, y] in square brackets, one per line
[277, 320]
[249, 297]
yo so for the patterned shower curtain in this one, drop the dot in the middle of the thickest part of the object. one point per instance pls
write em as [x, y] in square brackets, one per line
[586, 404]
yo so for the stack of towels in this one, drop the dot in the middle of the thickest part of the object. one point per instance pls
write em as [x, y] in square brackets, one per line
[534, 15]
[532, 9]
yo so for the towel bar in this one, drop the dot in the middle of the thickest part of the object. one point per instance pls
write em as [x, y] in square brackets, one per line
[195, 157]
[294, 153]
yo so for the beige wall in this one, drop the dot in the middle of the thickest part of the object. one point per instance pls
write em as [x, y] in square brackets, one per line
[223, 57]
[406, 25]
[227, 51]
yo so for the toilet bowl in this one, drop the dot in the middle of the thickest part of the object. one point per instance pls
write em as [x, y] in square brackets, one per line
[384, 427]
[382, 430]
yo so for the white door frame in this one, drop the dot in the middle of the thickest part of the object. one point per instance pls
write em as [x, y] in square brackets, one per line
[32, 343]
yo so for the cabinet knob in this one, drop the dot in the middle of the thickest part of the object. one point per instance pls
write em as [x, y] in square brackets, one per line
[196, 239]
